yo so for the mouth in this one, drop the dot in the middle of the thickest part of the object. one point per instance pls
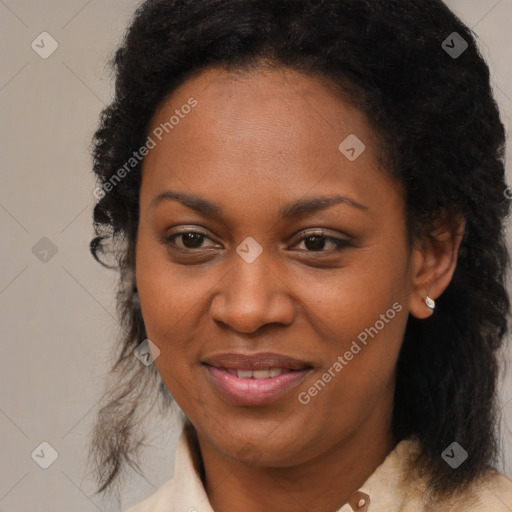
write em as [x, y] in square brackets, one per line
[254, 379]
[268, 373]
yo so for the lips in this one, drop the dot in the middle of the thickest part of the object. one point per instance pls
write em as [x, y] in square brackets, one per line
[254, 362]
[254, 379]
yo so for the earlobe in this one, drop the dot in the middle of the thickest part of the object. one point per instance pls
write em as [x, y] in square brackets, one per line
[433, 264]
[421, 306]
[417, 300]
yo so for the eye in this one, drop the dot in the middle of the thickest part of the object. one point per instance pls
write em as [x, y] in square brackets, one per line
[189, 240]
[316, 242]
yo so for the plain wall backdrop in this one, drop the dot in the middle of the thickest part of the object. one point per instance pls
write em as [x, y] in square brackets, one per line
[57, 304]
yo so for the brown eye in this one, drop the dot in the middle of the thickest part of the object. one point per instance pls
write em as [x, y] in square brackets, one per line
[192, 240]
[189, 240]
[316, 242]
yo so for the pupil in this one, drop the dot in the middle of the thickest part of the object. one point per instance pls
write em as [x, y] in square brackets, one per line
[318, 242]
[194, 238]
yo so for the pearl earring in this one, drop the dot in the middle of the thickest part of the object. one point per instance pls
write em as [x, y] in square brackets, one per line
[430, 303]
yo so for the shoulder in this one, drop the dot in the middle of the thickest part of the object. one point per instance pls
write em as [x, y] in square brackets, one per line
[490, 492]
[494, 492]
[185, 491]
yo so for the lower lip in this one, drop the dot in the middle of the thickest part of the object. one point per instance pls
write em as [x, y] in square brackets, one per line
[254, 391]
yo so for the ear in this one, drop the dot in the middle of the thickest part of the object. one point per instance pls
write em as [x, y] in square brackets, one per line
[433, 262]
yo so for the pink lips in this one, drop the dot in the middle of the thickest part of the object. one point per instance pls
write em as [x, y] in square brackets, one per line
[231, 376]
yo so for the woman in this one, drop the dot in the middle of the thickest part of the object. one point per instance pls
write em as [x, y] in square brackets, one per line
[310, 197]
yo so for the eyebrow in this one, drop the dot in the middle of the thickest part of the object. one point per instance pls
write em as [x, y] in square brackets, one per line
[295, 209]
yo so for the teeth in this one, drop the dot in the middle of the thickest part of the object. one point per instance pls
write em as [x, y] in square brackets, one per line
[257, 374]
[260, 374]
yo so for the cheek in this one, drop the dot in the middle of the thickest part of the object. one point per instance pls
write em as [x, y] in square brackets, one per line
[353, 297]
[161, 300]
[358, 375]
[172, 303]
[166, 308]
[167, 293]
[360, 315]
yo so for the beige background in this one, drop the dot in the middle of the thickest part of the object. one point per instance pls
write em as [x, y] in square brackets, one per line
[58, 317]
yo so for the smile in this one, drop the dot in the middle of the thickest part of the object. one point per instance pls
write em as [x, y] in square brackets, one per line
[257, 374]
[254, 380]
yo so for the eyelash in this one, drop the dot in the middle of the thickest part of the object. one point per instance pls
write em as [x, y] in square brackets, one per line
[340, 243]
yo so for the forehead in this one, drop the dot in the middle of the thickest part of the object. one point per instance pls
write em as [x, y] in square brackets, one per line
[275, 132]
[277, 105]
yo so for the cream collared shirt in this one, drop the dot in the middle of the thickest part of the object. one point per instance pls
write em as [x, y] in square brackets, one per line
[388, 489]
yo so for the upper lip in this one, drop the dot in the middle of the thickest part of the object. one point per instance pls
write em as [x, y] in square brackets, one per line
[260, 361]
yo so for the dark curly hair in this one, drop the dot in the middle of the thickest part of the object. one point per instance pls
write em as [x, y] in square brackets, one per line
[440, 134]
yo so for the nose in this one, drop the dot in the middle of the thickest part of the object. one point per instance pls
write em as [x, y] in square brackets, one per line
[253, 295]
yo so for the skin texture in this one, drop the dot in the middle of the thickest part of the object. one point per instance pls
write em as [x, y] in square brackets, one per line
[254, 143]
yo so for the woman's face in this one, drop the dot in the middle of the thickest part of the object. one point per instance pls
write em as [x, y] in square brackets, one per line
[271, 164]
